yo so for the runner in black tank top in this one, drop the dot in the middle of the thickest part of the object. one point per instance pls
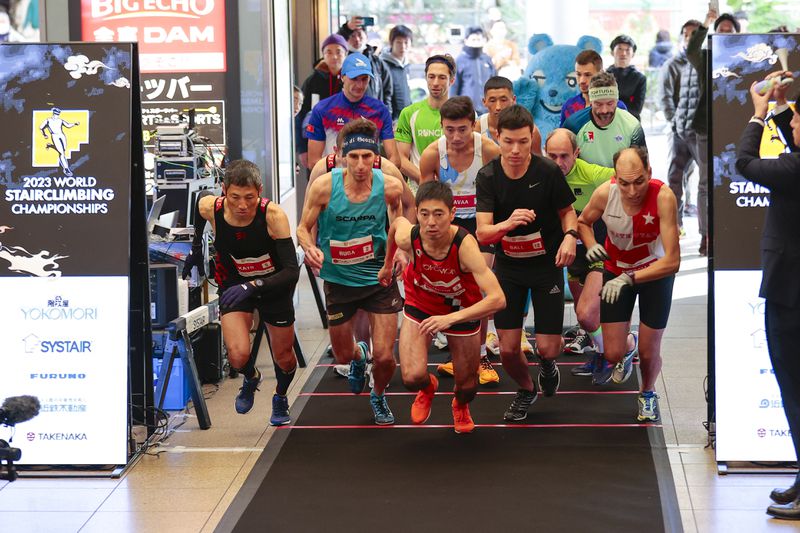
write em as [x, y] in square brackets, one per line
[256, 269]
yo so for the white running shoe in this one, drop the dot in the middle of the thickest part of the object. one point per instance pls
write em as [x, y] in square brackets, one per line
[492, 343]
[440, 341]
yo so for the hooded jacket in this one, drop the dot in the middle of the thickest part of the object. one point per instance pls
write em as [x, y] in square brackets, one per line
[473, 68]
[680, 93]
[401, 92]
[660, 54]
[632, 87]
[318, 86]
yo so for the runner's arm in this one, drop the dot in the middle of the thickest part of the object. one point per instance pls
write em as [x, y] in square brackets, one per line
[278, 229]
[390, 145]
[566, 252]
[489, 233]
[591, 213]
[316, 149]
[429, 163]
[408, 168]
[398, 237]
[536, 141]
[490, 149]
[668, 227]
[318, 195]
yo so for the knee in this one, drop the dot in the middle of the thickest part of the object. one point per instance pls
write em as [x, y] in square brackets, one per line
[550, 349]
[238, 355]
[510, 353]
[286, 360]
[588, 318]
[383, 359]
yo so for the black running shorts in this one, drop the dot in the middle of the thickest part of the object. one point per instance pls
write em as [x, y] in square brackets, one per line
[581, 267]
[274, 308]
[342, 301]
[547, 294]
[471, 225]
[462, 329]
[655, 300]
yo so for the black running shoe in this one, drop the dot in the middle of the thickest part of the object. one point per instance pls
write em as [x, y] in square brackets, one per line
[549, 376]
[518, 410]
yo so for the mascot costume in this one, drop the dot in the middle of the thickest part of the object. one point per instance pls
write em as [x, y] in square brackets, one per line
[549, 80]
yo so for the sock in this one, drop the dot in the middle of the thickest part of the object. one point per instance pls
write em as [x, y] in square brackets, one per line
[648, 393]
[597, 338]
[250, 371]
[429, 388]
[490, 327]
[546, 366]
[284, 379]
[483, 349]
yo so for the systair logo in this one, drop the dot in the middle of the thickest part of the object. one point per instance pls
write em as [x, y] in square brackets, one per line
[57, 308]
[33, 344]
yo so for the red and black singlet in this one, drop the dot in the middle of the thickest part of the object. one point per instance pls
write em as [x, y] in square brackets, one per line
[439, 286]
[243, 253]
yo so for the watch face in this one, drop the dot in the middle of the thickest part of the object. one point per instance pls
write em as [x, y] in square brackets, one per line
[259, 283]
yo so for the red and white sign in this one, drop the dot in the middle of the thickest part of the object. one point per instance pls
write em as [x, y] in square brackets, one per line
[254, 266]
[173, 35]
[353, 251]
[523, 246]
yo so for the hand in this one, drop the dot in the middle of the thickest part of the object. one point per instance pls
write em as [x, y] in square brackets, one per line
[781, 89]
[235, 295]
[566, 252]
[711, 16]
[434, 324]
[314, 257]
[194, 259]
[355, 23]
[596, 253]
[760, 101]
[399, 262]
[520, 217]
[612, 288]
[386, 275]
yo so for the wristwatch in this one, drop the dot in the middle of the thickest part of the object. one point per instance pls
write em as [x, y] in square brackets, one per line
[573, 233]
[258, 283]
[632, 276]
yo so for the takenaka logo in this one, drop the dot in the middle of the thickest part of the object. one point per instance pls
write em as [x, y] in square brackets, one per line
[57, 134]
[55, 436]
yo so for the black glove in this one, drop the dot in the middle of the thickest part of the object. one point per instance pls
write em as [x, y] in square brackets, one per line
[235, 295]
[194, 259]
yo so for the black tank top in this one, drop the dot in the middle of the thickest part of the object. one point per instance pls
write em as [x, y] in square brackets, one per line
[243, 253]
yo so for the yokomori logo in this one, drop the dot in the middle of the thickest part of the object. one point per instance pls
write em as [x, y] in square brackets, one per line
[33, 344]
[57, 133]
[59, 309]
[56, 376]
[31, 436]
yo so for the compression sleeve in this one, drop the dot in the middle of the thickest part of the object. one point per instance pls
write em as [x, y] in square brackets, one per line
[287, 277]
[199, 221]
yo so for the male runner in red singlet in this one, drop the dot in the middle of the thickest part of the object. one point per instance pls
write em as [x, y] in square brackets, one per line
[443, 283]
[641, 256]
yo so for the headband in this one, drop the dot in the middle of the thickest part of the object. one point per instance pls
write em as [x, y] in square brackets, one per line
[359, 141]
[603, 93]
[443, 60]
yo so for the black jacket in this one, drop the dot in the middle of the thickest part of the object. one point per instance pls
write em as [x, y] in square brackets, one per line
[680, 93]
[698, 57]
[632, 88]
[780, 240]
[401, 93]
[322, 84]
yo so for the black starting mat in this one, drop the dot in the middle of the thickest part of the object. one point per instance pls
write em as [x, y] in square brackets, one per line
[579, 462]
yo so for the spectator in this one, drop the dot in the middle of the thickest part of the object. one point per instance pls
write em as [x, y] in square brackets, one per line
[473, 68]
[321, 84]
[632, 83]
[298, 99]
[380, 85]
[504, 52]
[680, 94]
[395, 58]
[662, 51]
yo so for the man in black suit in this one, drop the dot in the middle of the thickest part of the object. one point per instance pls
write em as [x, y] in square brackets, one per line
[780, 255]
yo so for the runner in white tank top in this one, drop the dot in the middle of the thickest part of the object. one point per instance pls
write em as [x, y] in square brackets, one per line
[461, 183]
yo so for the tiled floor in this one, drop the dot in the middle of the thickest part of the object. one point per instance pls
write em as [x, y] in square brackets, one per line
[188, 487]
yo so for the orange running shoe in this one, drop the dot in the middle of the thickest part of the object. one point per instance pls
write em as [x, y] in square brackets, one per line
[421, 408]
[462, 420]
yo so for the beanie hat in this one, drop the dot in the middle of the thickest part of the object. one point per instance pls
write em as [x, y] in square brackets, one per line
[334, 39]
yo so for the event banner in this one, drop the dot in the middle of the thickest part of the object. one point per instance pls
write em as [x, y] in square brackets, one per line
[750, 423]
[65, 171]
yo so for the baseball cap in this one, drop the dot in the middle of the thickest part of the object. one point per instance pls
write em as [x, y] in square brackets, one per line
[334, 39]
[356, 65]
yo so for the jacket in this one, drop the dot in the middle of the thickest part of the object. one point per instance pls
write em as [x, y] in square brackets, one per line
[680, 96]
[401, 92]
[473, 68]
[699, 60]
[380, 86]
[660, 54]
[780, 240]
[632, 88]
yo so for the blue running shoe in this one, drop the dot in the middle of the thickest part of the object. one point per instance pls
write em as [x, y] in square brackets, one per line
[280, 411]
[587, 368]
[624, 369]
[358, 369]
[246, 396]
[602, 372]
[648, 407]
[380, 408]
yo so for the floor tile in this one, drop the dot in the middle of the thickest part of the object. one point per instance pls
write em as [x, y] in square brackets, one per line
[50, 499]
[158, 499]
[43, 522]
[146, 521]
[736, 521]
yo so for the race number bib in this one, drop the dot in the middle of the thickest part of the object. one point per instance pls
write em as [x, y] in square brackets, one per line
[465, 205]
[523, 246]
[353, 251]
[250, 267]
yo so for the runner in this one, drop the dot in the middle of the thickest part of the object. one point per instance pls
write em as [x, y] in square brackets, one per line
[525, 205]
[350, 207]
[641, 257]
[455, 160]
[443, 282]
[256, 269]
[498, 94]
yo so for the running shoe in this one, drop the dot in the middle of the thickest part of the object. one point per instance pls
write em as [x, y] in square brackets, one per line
[487, 374]
[341, 370]
[462, 420]
[648, 407]
[525, 345]
[358, 369]
[421, 408]
[624, 369]
[582, 343]
[440, 341]
[280, 411]
[570, 334]
[518, 410]
[493, 343]
[549, 376]
[246, 396]
[602, 372]
[380, 408]
[329, 351]
[587, 368]
[445, 369]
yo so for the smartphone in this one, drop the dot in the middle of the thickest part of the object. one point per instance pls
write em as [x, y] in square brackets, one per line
[714, 4]
[367, 21]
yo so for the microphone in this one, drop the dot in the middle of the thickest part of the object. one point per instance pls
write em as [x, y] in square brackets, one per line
[18, 409]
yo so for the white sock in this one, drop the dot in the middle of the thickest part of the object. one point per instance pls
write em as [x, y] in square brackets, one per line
[597, 338]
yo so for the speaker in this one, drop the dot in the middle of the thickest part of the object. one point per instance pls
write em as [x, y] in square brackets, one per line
[207, 348]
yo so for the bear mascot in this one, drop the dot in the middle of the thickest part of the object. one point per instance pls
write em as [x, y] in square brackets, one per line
[549, 80]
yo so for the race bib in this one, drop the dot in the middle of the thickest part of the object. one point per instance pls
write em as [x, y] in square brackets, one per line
[353, 251]
[250, 267]
[523, 246]
[465, 205]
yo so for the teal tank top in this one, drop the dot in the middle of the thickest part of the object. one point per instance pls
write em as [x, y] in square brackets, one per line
[353, 235]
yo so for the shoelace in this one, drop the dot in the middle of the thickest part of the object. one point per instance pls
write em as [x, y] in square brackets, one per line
[486, 364]
[521, 401]
[579, 341]
[649, 404]
[380, 405]
[460, 415]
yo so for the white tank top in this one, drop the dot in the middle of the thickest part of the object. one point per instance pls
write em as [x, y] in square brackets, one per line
[483, 120]
[461, 183]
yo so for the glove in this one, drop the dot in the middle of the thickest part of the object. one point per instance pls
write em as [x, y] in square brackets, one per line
[596, 253]
[194, 259]
[612, 288]
[235, 295]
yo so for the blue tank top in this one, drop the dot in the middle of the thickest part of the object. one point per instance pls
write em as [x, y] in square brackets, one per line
[353, 235]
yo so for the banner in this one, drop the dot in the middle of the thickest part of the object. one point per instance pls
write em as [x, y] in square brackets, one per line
[65, 179]
[750, 422]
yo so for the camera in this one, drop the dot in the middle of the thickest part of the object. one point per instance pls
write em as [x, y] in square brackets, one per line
[14, 410]
[367, 21]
